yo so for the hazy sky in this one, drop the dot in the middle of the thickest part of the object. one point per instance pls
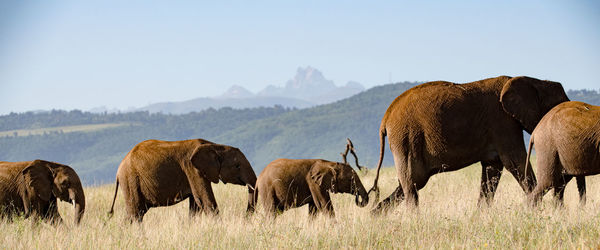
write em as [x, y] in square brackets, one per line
[84, 54]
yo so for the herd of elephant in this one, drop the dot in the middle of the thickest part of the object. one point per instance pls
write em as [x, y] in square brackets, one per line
[431, 128]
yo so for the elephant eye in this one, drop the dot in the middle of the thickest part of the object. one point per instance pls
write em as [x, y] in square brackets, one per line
[237, 166]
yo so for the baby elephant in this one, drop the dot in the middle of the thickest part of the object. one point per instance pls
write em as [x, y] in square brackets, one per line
[567, 142]
[289, 183]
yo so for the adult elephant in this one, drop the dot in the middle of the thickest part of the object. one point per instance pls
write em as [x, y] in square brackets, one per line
[567, 144]
[162, 173]
[33, 187]
[442, 126]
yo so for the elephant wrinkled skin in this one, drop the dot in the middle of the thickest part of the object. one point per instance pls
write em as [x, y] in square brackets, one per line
[33, 187]
[442, 126]
[290, 183]
[567, 144]
[162, 173]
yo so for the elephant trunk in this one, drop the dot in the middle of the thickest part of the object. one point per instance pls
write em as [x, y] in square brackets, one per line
[251, 184]
[362, 197]
[251, 199]
[78, 199]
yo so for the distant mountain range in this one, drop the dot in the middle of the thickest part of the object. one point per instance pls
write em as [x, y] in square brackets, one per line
[309, 84]
[308, 88]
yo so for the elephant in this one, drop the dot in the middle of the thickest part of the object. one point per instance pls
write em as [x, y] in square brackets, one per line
[33, 187]
[567, 144]
[290, 183]
[442, 126]
[162, 173]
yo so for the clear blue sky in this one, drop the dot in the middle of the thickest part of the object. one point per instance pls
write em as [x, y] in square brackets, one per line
[84, 54]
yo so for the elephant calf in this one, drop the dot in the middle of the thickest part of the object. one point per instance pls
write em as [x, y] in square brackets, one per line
[162, 173]
[567, 144]
[33, 187]
[289, 183]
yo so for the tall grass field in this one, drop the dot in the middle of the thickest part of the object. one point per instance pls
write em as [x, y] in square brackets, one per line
[448, 217]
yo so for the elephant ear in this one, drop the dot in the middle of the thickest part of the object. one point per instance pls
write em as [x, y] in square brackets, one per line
[38, 181]
[520, 98]
[208, 161]
[324, 176]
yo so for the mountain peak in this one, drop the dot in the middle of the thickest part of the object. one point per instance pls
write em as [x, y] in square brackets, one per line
[238, 92]
[309, 77]
[309, 84]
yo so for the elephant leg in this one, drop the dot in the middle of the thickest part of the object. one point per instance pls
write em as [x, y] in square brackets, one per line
[549, 176]
[52, 215]
[194, 208]
[413, 176]
[312, 209]
[391, 201]
[134, 202]
[136, 213]
[559, 190]
[581, 188]
[207, 202]
[411, 193]
[321, 199]
[491, 171]
[140, 210]
[202, 192]
[131, 202]
[269, 202]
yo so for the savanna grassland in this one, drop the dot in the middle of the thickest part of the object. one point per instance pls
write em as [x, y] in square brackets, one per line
[448, 217]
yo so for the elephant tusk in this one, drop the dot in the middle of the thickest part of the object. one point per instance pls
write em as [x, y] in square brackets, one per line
[74, 205]
[250, 187]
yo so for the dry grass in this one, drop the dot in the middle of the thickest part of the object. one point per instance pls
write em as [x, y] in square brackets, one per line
[447, 218]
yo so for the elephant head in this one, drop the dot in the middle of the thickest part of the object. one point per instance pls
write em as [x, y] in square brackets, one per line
[339, 178]
[228, 164]
[528, 99]
[45, 181]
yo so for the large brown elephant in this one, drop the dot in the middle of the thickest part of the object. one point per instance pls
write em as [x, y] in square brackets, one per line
[567, 144]
[290, 183]
[162, 173]
[442, 126]
[33, 187]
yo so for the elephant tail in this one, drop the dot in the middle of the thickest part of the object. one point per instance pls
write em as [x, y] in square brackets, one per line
[110, 213]
[375, 188]
[529, 148]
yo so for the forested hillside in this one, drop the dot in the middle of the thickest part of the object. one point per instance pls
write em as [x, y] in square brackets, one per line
[263, 134]
[96, 154]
